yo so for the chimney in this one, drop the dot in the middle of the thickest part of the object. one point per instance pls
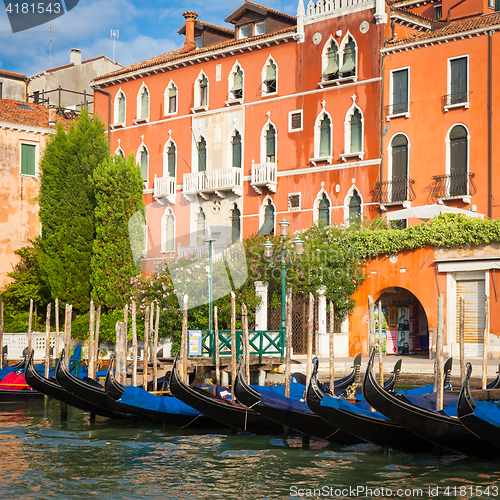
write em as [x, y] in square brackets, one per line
[52, 117]
[189, 44]
[75, 56]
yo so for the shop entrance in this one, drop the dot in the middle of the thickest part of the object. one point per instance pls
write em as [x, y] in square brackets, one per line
[404, 323]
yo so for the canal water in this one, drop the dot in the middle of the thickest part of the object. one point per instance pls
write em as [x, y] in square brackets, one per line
[42, 457]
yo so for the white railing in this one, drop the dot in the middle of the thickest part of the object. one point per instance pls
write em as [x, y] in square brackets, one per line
[164, 187]
[209, 181]
[202, 251]
[17, 342]
[264, 174]
[328, 6]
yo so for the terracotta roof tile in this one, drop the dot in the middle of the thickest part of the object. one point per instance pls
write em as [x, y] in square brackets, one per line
[214, 26]
[453, 28]
[9, 74]
[178, 54]
[272, 10]
[27, 113]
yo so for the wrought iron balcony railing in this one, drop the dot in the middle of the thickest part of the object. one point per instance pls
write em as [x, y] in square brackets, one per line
[452, 186]
[394, 192]
[456, 99]
[400, 108]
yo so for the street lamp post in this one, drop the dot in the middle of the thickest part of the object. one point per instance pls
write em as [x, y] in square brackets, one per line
[284, 257]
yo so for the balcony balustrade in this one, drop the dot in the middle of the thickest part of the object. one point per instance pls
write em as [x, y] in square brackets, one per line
[396, 192]
[264, 175]
[164, 189]
[215, 181]
[454, 186]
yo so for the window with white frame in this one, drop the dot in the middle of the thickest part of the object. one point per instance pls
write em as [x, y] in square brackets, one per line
[355, 206]
[267, 226]
[243, 32]
[28, 159]
[236, 149]
[458, 184]
[398, 189]
[270, 77]
[353, 128]
[143, 161]
[235, 223]
[120, 106]
[169, 159]
[202, 154]
[295, 121]
[269, 144]
[143, 104]
[201, 91]
[259, 28]
[170, 104]
[330, 60]
[168, 231]
[236, 84]
[322, 138]
[200, 227]
[324, 211]
[400, 92]
[349, 57]
[458, 82]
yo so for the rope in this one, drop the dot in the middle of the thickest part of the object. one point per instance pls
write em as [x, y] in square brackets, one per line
[189, 423]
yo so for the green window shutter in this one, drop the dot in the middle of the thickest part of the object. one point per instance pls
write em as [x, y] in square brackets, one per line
[238, 81]
[203, 91]
[170, 236]
[202, 155]
[200, 228]
[356, 132]
[121, 109]
[268, 225]
[172, 92]
[325, 137]
[324, 211]
[399, 158]
[459, 76]
[171, 160]
[237, 150]
[271, 142]
[458, 150]
[172, 100]
[270, 80]
[235, 224]
[144, 165]
[144, 104]
[354, 206]
[332, 67]
[28, 159]
[1, 90]
[400, 91]
[349, 58]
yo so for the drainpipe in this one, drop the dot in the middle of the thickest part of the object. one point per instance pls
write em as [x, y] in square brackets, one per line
[490, 135]
[382, 101]
[109, 111]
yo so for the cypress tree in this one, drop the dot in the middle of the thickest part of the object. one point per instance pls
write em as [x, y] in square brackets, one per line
[118, 189]
[67, 205]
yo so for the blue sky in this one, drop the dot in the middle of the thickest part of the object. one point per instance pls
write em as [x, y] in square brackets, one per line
[147, 28]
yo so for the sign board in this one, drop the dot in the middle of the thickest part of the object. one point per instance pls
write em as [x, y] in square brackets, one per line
[194, 342]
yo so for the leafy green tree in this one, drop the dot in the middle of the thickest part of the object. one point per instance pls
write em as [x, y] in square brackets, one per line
[118, 193]
[67, 205]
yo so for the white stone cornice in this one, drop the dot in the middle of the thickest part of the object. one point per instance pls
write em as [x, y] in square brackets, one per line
[14, 127]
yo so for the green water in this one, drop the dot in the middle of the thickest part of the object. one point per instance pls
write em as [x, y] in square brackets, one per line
[44, 458]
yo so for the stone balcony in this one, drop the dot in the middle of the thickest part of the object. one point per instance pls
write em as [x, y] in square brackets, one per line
[219, 181]
[264, 175]
[164, 189]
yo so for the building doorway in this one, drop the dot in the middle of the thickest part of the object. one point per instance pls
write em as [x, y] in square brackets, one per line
[404, 323]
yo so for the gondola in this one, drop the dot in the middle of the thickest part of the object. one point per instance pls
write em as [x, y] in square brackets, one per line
[92, 392]
[359, 420]
[53, 389]
[291, 412]
[165, 409]
[440, 428]
[481, 418]
[228, 412]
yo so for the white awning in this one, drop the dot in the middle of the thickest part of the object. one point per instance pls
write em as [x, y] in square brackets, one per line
[429, 211]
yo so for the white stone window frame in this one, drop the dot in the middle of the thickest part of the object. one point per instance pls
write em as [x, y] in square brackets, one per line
[347, 133]
[262, 212]
[343, 44]
[197, 93]
[196, 156]
[295, 209]
[466, 103]
[316, 203]
[317, 139]
[466, 198]
[230, 82]
[143, 147]
[166, 99]
[139, 104]
[391, 94]
[324, 58]
[165, 157]
[264, 92]
[263, 143]
[389, 163]
[229, 158]
[119, 151]
[29, 142]
[168, 211]
[255, 28]
[116, 109]
[290, 114]
[347, 199]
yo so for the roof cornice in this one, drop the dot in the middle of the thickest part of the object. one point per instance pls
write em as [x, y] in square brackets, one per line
[26, 128]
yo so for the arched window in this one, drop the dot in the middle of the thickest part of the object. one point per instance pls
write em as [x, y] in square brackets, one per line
[271, 144]
[399, 177]
[204, 91]
[324, 211]
[200, 228]
[325, 134]
[202, 155]
[458, 161]
[120, 108]
[168, 231]
[235, 223]
[349, 59]
[236, 91]
[236, 148]
[144, 162]
[171, 160]
[331, 71]
[143, 103]
[356, 132]
[268, 224]
[270, 78]
[355, 207]
[172, 99]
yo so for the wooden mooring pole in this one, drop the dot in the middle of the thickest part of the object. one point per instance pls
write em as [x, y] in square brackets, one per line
[145, 350]
[217, 347]
[234, 347]
[439, 354]
[47, 341]
[96, 338]
[246, 346]
[155, 349]
[332, 347]
[288, 344]
[67, 333]
[371, 323]
[310, 331]
[134, 344]
[92, 350]
[380, 362]
[486, 340]
[29, 326]
[1, 334]
[121, 352]
[184, 340]
[56, 347]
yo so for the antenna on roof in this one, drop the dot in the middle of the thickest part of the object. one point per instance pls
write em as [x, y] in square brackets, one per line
[114, 35]
[50, 48]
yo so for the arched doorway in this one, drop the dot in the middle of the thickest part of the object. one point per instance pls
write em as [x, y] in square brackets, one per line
[404, 322]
